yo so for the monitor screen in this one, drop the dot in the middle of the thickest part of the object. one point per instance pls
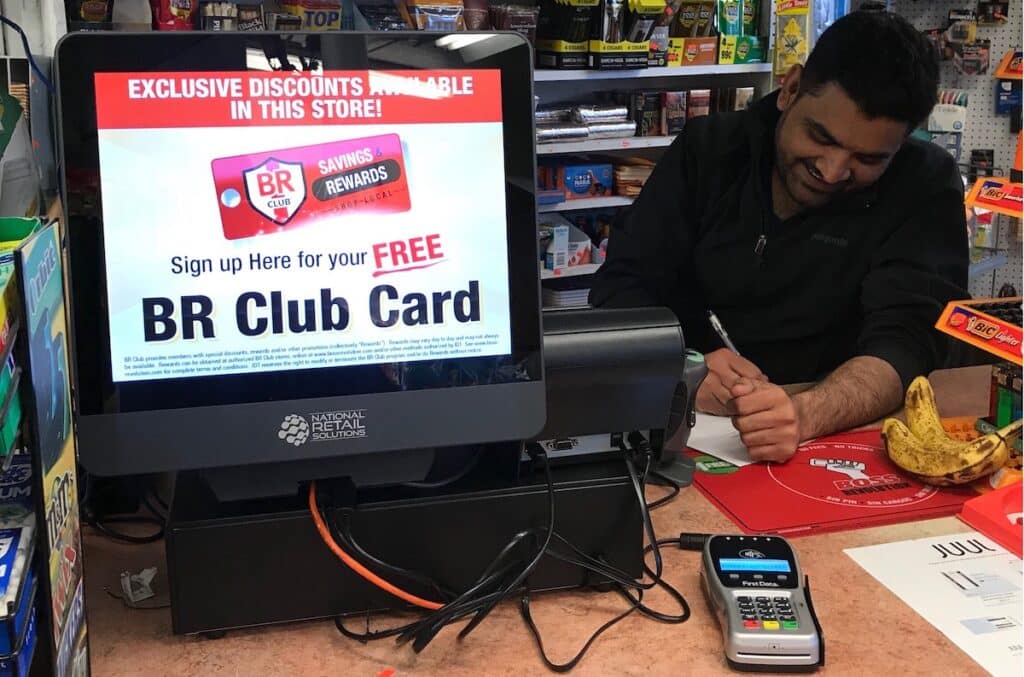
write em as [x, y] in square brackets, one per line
[301, 220]
[271, 233]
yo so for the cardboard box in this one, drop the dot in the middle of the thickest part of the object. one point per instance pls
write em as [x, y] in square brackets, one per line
[692, 51]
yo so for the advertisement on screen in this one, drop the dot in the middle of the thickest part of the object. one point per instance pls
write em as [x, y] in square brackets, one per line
[262, 222]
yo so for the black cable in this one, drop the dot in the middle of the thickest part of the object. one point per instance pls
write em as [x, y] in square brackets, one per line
[28, 54]
[524, 611]
[437, 484]
[499, 579]
[645, 513]
[343, 534]
[674, 486]
[100, 525]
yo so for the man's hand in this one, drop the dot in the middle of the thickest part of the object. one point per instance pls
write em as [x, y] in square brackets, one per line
[725, 369]
[767, 420]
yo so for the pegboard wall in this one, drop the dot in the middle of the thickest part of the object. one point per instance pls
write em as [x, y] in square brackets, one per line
[984, 128]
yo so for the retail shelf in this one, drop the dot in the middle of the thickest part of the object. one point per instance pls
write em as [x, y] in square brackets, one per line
[541, 75]
[595, 145]
[588, 203]
[987, 265]
[574, 271]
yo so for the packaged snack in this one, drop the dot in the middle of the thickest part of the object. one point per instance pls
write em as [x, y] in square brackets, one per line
[174, 15]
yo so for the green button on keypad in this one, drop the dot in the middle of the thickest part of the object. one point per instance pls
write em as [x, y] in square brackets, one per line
[790, 625]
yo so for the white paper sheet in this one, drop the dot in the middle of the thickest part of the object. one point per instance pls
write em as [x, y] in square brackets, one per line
[715, 436]
[965, 585]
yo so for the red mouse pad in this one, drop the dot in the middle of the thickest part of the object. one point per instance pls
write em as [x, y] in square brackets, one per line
[839, 482]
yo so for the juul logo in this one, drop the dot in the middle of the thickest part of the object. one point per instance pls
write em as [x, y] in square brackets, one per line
[959, 549]
[980, 327]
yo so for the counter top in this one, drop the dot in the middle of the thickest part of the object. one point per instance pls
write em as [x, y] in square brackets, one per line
[868, 630]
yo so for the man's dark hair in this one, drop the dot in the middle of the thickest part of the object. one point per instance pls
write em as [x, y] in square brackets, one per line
[883, 63]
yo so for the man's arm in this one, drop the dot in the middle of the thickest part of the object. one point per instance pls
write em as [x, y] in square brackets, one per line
[921, 267]
[650, 242]
[772, 423]
[863, 389]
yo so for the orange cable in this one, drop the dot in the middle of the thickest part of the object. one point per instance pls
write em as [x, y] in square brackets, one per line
[355, 565]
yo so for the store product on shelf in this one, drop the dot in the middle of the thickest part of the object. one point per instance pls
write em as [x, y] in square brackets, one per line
[645, 109]
[563, 30]
[433, 15]
[383, 15]
[631, 175]
[621, 31]
[315, 15]
[738, 49]
[231, 16]
[698, 102]
[519, 18]
[584, 121]
[174, 15]
[673, 112]
[564, 245]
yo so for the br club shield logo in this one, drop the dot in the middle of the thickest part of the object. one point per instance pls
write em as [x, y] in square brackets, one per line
[276, 189]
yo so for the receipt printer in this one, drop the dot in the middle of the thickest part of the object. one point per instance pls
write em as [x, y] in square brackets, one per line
[616, 371]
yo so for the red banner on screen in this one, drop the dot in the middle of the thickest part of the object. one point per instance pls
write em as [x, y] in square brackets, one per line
[223, 99]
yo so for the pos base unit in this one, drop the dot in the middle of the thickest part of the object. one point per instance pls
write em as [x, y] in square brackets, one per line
[233, 565]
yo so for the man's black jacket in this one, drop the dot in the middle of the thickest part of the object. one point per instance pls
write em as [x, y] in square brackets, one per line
[866, 275]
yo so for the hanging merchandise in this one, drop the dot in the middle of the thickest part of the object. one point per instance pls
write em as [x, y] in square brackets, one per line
[792, 34]
[993, 11]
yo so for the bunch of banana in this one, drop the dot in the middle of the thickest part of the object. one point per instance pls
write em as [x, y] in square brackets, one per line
[927, 453]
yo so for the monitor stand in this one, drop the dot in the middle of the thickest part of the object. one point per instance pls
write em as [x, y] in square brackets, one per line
[254, 562]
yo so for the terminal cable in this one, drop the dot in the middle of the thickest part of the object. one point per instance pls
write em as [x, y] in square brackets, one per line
[505, 577]
[354, 564]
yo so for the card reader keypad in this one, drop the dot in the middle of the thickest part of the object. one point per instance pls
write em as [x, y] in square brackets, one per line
[767, 613]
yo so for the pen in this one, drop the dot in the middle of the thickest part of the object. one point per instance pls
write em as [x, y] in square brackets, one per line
[716, 324]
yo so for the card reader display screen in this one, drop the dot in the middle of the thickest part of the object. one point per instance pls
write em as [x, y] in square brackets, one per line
[259, 222]
[780, 566]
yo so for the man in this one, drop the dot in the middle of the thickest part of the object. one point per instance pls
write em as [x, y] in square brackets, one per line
[824, 238]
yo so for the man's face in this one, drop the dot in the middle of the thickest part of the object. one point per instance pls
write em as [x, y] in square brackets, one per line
[825, 146]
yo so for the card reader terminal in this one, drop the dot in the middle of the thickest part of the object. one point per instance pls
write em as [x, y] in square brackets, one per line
[754, 587]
